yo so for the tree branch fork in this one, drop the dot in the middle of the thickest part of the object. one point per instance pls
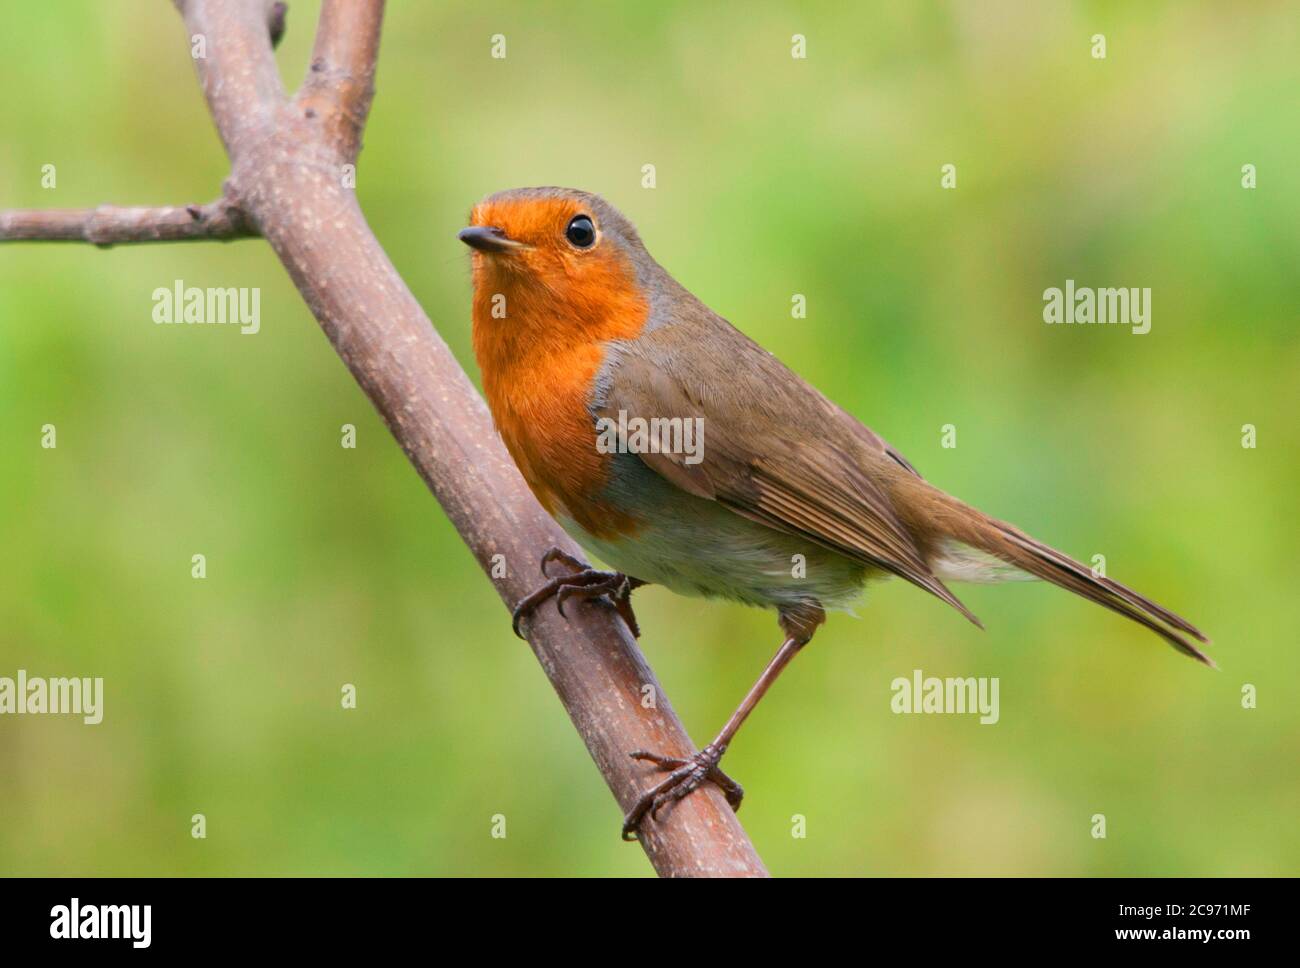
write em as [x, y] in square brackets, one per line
[291, 182]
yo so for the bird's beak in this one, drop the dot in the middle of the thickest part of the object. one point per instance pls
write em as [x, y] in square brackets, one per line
[488, 238]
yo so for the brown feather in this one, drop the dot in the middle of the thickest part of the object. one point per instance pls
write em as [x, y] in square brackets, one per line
[778, 452]
[775, 450]
[942, 515]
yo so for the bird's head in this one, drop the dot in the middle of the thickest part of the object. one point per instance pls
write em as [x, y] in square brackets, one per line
[556, 259]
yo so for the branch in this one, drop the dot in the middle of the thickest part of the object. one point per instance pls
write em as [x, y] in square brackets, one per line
[341, 81]
[106, 225]
[242, 93]
[286, 179]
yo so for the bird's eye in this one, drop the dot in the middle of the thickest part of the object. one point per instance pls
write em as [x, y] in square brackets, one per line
[581, 232]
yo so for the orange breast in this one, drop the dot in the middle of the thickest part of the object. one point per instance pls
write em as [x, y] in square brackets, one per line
[539, 365]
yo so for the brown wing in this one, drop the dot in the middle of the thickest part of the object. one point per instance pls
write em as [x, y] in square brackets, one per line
[775, 450]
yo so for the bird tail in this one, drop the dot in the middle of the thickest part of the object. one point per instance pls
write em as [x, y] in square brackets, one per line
[962, 525]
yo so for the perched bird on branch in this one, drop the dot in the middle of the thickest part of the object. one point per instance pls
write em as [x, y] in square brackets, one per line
[683, 454]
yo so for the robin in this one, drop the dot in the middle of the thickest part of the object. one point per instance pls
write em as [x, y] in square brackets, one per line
[681, 453]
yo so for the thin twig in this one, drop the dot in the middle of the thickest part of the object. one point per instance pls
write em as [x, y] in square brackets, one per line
[107, 225]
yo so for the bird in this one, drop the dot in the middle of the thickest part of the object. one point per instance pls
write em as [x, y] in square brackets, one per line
[681, 453]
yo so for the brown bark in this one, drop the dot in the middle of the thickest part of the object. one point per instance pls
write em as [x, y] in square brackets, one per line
[287, 182]
[107, 225]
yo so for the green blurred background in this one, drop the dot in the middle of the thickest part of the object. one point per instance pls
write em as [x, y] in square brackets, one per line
[775, 176]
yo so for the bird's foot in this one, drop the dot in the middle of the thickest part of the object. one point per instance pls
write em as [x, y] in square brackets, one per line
[684, 777]
[582, 583]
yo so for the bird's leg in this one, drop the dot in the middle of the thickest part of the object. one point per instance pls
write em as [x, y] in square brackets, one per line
[582, 582]
[685, 775]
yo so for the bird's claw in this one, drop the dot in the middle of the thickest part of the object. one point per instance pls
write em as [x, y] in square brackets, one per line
[556, 554]
[685, 776]
[581, 582]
